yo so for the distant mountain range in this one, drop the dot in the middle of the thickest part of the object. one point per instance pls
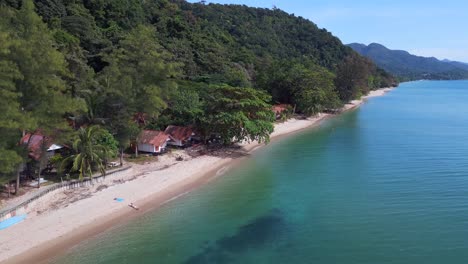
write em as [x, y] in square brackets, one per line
[411, 67]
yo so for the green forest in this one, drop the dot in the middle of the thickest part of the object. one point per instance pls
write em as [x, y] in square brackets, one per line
[69, 68]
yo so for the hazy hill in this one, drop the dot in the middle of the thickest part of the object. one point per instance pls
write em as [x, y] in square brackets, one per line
[410, 67]
[458, 64]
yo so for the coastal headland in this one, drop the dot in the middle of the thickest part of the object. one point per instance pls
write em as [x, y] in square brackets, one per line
[66, 219]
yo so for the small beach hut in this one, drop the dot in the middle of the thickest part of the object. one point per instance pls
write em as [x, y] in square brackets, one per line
[179, 136]
[35, 142]
[152, 141]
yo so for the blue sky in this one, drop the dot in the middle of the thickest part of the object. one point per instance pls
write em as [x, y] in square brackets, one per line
[428, 28]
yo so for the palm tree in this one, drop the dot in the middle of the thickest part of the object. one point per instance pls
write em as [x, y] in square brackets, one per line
[89, 153]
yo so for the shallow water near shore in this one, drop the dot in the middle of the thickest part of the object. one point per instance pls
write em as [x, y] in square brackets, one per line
[386, 183]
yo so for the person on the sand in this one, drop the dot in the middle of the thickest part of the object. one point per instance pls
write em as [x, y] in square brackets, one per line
[133, 206]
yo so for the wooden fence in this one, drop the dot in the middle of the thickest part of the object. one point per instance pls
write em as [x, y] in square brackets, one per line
[22, 207]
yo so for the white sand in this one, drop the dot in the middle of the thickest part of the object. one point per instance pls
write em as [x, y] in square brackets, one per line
[161, 180]
[356, 103]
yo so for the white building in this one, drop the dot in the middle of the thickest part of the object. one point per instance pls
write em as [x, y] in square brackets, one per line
[152, 141]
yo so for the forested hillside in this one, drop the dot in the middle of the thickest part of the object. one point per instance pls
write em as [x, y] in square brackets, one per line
[66, 64]
[411, 67]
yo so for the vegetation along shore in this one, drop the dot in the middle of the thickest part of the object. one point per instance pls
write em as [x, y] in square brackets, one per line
[70, 66]
[168, 89]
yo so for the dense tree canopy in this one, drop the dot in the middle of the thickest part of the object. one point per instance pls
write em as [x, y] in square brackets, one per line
[11, 119]
[33, 79]
[71, 64]
[309, 87]
[236, 114]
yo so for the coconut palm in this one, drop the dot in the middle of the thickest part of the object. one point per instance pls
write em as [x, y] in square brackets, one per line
[89, 153]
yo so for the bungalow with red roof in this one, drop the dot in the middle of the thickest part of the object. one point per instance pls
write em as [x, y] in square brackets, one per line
[152, 141]
[179, 136]
[34, 144]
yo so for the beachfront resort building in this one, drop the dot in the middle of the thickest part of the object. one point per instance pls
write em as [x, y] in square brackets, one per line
[179, 136]
[152, 141]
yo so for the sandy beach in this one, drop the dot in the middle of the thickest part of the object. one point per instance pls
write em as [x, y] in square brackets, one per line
[66, 218]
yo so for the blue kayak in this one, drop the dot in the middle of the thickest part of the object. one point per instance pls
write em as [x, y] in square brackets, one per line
[12, 221]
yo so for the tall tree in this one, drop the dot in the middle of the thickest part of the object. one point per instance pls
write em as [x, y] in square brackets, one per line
[139, 79]
[42, 94]
[11, 119]
[316, 92]
[352, 77]
[236, 114]
[184, 107]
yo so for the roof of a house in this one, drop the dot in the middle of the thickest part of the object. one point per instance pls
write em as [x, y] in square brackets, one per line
[280, 108]
[179, 133]
[153, 137]
[34, 144]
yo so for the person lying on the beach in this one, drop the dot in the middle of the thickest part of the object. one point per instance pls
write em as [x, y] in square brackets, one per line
[133, 206]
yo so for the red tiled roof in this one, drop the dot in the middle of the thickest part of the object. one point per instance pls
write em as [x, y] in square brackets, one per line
[279, 108]
[34, 146]
[179, 133]
[153, 137]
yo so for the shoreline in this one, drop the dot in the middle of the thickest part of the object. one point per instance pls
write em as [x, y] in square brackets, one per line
[40, 237]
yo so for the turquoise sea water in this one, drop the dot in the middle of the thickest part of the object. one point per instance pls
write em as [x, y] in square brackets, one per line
[387, 183]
